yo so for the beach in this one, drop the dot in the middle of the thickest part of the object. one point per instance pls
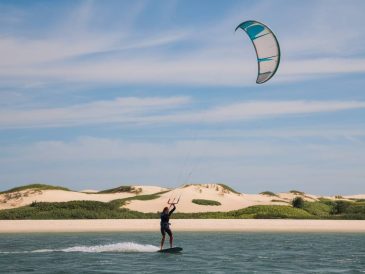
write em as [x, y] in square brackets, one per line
[196, 225]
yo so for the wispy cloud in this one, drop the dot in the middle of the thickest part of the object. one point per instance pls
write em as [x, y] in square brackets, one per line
[259, 109]
[121, 110]
[329, 133]
[139, 111]
[216, 56]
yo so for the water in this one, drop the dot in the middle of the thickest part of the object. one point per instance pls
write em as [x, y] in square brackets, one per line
[203, 253]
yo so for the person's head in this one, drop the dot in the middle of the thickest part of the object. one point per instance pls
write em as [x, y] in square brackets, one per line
[165, 209]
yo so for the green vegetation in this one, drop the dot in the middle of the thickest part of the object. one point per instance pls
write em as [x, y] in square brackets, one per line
[297, 192]
[268, 193]
[298, 202]
[321, 209]
[340, 207]
[118, 189]
[72, 210]
[229, 188]
[35, 186]
[252, 212]
[206, 202]
[272, 212]
[278, 201]
[317, 208]
[121, 202]
[112, 210]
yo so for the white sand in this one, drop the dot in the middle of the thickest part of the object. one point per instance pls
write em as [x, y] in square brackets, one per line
[250, 225]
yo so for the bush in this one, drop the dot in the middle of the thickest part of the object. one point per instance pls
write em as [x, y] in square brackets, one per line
[297, 192]
[206, 202]
[277, 211]
[340, 207]
[317, 208]
[268, 193]
[229, 188]
[298, 202]
[257, 212]
[117, 189]
[355, 208]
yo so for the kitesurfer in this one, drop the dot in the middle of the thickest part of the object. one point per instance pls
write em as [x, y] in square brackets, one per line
[165, 225]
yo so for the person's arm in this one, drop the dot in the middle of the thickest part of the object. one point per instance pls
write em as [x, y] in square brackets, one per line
[172, 209]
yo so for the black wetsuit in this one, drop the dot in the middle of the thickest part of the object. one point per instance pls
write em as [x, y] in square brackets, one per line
[165, 225]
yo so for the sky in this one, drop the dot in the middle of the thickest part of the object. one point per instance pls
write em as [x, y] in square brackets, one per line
[97, 94]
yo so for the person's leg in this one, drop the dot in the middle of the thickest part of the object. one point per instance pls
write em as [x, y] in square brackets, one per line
[170, 235]
[163, 237]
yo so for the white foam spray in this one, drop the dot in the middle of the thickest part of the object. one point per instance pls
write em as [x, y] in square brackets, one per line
[117, 247]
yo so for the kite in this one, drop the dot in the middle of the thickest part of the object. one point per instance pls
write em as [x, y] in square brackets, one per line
[266, 46]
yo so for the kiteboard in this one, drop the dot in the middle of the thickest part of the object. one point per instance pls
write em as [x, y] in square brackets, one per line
[171, 250]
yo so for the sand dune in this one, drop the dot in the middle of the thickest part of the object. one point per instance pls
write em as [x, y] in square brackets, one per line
[359, 196]
[229, 200]
[26, 197]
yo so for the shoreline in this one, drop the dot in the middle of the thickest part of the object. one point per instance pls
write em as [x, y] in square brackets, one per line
[191, 225]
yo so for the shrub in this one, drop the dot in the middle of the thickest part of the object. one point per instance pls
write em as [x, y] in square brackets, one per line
[356, 208]
[317, 208]
[117, 189]
[297, 192]
[268, 193]
[121, 202]
[229, 188]
[206, 202]
[277, 211]
[298, 202]
[340, 207]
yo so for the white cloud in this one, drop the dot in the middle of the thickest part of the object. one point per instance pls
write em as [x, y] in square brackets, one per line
[261, 109]
[138, 111]
[124, 110]
[197, 69]
[220, 57]
[330, 133]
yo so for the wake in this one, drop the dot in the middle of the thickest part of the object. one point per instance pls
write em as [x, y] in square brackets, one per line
[125, 247]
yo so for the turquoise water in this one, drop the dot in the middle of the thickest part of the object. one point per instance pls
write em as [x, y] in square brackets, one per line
[203, 253]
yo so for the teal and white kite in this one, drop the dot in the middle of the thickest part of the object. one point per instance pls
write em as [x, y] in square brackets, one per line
[266, 46]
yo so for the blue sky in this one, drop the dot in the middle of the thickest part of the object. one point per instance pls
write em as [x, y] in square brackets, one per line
[96, 94]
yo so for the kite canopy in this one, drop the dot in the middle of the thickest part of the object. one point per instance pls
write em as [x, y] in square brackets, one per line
[266, 46]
